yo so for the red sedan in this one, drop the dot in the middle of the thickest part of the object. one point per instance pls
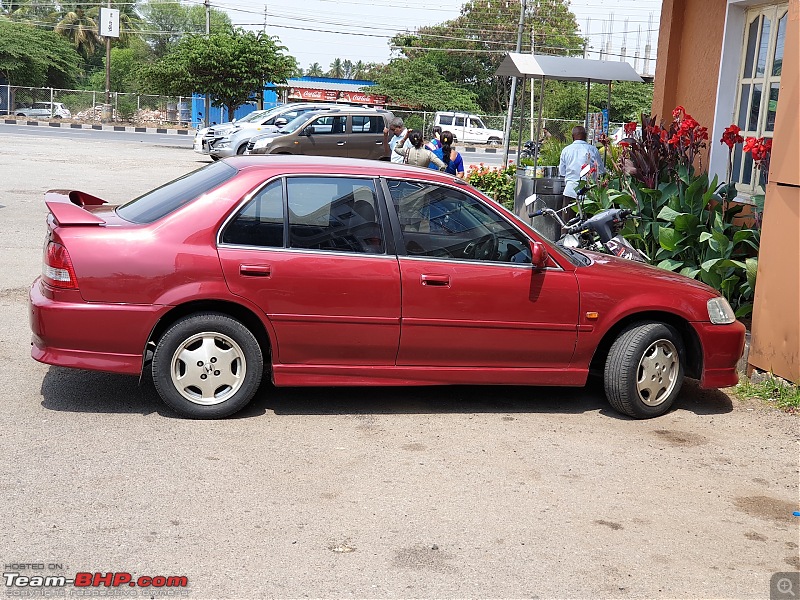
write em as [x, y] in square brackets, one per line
[323, 272]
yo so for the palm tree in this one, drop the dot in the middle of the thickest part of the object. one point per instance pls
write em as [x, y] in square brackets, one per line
[81, 30]
[359, 70]
[337, 69]
[347, 69]
[315, 70]
[130, 23]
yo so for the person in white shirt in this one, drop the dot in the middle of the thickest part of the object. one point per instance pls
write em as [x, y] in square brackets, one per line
[574, 157]
[399, 136]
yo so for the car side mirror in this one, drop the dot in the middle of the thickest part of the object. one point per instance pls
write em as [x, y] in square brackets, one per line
[539, 255]
[280, 122]
[308, 130]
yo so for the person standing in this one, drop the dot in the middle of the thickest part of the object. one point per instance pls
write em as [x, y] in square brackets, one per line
[450, 156]
[399, 136]
[417, 155]
[574, 158]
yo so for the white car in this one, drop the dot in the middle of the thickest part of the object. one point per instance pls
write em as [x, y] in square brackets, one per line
[48, 110]
[467, 128]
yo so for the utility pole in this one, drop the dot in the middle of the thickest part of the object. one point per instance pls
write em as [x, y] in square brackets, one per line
[207, 104]
[533, 51]
[507, 133]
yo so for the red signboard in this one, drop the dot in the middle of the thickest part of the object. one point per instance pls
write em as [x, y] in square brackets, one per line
[297, 93]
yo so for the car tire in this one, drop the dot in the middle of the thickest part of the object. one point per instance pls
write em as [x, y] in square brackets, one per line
[214, 158]
[207, 366]
[495, 141]
[644, 370]
[241, 149]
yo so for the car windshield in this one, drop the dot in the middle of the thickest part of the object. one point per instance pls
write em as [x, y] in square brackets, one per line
[163, 200]
[296, 123]
[253, 116]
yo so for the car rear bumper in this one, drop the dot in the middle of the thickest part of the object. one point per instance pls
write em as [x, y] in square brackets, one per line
[84, 335]
[723, 346]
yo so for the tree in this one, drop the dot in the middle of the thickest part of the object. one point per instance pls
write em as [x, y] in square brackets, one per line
[81, 30]
[126, 64]
[35, 57]
[567, 100]
[337, 69]
[417, 83]
[230, 67]
[315, 70]
[482, 34]
[170, 20]
[359, 68]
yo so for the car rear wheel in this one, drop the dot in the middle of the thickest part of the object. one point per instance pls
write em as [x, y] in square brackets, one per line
[207, 366]
[644, 370]
[495, 141]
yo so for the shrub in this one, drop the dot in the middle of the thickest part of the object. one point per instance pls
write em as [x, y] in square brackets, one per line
[496, 182]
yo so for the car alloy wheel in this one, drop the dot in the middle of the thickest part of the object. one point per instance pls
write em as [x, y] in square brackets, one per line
[207, 366]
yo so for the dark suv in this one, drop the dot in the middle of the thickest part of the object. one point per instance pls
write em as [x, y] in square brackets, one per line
[348, 131]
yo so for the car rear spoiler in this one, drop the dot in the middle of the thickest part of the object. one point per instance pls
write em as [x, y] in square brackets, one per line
[67, 207]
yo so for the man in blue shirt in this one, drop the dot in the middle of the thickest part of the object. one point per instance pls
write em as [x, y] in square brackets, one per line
[576, 156]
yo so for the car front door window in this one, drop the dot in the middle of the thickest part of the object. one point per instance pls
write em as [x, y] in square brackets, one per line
[442, 222]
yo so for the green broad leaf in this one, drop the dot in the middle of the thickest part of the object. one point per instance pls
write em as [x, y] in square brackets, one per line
[667, 214]
[729, 285]
[705, 236]
[751, 268]
[710, 265]
[686, 223]
[670, 264]
[744, 310]
[668, 238]
[742, 235]
[690, 272]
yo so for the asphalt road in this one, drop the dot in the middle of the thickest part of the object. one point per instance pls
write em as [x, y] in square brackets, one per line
[363, 493]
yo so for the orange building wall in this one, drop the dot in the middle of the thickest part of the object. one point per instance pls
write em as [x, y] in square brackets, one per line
[775, 344]
[687, 66]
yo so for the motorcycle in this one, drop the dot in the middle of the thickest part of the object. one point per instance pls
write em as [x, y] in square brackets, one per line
[530, 149]
[599, 232]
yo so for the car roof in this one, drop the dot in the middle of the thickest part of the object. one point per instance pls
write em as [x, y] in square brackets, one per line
[287, 164]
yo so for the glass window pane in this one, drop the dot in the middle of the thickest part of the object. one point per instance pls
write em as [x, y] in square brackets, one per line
[441, 222]
[260, 223]
[744, 102]
[737, 163]
[749, 57]
[334, 213]
[755, 107]
[772, 106]
[761, 64]
[777, 64]
[747, 169]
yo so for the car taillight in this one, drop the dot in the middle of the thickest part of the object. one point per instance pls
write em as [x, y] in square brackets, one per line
[57, 268]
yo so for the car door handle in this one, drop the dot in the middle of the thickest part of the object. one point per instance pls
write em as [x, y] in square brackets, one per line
[436, 280]
[340, 143]
[255, 270]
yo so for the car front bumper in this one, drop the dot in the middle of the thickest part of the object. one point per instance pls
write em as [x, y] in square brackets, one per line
[723, 346]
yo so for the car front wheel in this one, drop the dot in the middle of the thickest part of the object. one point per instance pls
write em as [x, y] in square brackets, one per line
[207, 366]
[644, 370]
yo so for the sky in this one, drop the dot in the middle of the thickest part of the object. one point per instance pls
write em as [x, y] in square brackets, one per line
[322, 30]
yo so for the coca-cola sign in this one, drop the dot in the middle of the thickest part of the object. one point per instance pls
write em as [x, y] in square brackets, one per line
[297, 93]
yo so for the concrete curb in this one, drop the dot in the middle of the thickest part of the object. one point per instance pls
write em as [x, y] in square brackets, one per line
[161, 130]
[492, 150]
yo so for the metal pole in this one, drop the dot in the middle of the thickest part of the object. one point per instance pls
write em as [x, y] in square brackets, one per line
[513, 95]
[108, 67]
[588, 89]
[207, 101]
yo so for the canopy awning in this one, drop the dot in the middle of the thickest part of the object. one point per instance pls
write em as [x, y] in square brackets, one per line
[565, 68]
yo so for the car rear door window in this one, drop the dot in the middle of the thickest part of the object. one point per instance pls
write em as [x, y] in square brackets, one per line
[442, 222]
[367, 124]
[260, 222]
[334, 213]
[329, 124]
[163, 200]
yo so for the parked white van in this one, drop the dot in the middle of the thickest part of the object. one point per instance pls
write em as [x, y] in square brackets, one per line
[467, 128]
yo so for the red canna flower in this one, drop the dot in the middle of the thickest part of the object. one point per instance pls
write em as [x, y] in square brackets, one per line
[731, 136]
[630, 128]
[678, 112]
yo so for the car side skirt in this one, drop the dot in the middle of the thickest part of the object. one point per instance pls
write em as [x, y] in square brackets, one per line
[336, 375]
[125, 364]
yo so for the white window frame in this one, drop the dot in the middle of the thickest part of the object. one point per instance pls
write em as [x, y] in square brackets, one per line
[743, 165]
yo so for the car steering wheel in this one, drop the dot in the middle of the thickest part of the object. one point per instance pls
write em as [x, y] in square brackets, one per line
[484, 248]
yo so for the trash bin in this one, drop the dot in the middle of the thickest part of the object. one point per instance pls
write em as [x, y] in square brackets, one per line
[549, 189]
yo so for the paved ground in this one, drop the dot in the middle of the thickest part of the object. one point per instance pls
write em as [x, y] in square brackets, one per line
[377, 493]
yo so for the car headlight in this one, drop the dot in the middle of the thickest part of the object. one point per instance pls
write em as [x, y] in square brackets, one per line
[222, 143]
[720, 312]
[262, 143]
